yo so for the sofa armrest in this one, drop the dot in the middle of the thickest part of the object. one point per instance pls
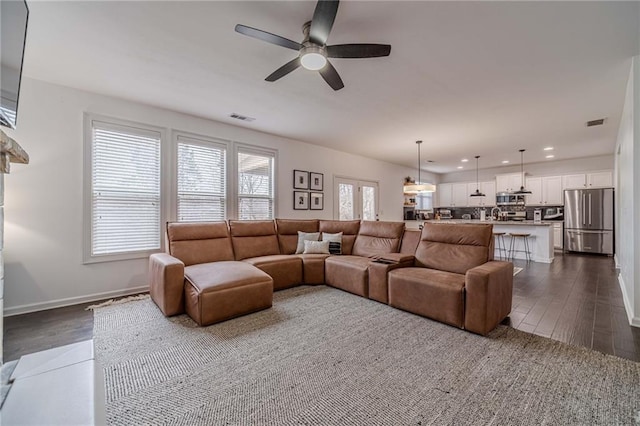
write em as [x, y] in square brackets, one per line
[393, 258]
[379, 278]
[166, 283]
[488, 294]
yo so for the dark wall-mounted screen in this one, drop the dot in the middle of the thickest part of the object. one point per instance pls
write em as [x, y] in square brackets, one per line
[13, 30]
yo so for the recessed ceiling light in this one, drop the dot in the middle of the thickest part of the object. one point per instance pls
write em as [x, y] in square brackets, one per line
[548, 148]
[464, 160]
[460, 167]
[550, 156]
[505, 161]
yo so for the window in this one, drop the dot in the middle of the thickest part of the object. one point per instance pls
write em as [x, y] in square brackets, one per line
[255, 184]
[124, 190]
[202, 186]
[355, 199]
[424, 201]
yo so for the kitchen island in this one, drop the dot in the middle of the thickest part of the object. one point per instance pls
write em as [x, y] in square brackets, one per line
[540, 241]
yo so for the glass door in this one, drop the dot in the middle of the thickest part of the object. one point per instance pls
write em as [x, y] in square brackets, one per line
[355, 199]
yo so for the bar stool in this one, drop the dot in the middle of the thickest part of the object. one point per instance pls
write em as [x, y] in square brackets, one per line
[500, 245]
[513, 246]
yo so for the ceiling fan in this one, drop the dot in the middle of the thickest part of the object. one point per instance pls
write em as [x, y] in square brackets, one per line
[313, 51]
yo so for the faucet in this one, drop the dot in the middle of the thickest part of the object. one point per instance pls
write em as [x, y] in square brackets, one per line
[499, 212]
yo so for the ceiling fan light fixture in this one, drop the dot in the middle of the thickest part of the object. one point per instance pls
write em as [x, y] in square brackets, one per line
[313, 58]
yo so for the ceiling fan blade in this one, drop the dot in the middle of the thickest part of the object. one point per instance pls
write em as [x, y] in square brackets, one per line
[284, 70]
[358, 50]
[331, 76]
[322, 21]
[268, 37]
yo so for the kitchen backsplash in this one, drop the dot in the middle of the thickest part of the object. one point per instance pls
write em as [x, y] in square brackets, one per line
[457, 212]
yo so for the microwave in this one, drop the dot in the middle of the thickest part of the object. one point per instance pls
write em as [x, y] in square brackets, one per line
[506, 199]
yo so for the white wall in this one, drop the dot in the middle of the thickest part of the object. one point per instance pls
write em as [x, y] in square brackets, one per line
[43, 229]
[547, 168]
[627, 174]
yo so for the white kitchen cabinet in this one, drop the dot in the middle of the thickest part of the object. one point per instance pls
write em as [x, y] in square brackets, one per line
[535, 186]
[545, 191]
[600, 179]
[474, 201]
[444, 194]
[508, 182]
[558, 235]
[577, 181]
[459, 195]
[487, 188]
[552, 191]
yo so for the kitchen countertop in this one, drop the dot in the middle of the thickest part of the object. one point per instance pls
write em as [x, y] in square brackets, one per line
[495, 222]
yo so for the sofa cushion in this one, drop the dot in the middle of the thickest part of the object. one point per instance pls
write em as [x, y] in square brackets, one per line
[313, 268]
[286, 270]
[200, 242]
[410, 240]
[303, 237]
[219, 291]
[454, 247]
[349, 229]
[349, 273]
[434, 294]
[378, 238]
[287, 230]
[253, 238]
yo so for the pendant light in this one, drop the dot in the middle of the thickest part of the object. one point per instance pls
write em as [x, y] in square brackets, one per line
[522, 190]
[477, 193]
[418, 187]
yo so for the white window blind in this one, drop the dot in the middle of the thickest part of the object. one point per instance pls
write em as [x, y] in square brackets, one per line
[125, 189]
[255, 185]
[201, 180]
[424, 201]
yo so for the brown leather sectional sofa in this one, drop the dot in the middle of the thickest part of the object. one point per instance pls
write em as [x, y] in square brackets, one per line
[217, 271]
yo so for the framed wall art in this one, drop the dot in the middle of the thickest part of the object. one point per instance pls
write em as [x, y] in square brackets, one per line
[316, 181]
[300, 179]
[300, 200]
[317, 201]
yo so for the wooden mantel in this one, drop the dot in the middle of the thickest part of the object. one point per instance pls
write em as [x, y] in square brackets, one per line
[10, 152]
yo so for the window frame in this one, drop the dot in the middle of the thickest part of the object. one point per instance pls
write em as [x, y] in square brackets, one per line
[88, 257]
[256, 150]
[205, 141]
[168, 180]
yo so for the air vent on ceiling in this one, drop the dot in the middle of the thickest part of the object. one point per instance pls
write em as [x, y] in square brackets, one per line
[598, 122]
[241, 117]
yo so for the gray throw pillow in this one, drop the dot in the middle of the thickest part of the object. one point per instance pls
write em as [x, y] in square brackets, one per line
[316, 247]
[335, 242]
[305, 236]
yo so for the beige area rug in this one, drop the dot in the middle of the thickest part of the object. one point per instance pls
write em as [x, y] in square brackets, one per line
[323, 356]
[517, 270]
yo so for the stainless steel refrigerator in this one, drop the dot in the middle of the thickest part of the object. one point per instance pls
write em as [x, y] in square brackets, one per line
[588, 220]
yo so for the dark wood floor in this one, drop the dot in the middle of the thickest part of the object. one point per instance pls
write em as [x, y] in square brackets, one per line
[576, 300]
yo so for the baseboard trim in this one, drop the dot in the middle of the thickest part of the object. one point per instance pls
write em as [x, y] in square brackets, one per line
[59, 303]
[615, 261]
[633, 321]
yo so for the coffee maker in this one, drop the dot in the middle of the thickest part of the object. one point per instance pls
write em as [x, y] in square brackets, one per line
[537, 215]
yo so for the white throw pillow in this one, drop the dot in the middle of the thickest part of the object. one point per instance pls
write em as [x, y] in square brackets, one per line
[306, 236]
[335, 242]
[316, 247]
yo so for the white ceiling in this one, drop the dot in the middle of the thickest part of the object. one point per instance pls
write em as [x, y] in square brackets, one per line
[479, 78]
